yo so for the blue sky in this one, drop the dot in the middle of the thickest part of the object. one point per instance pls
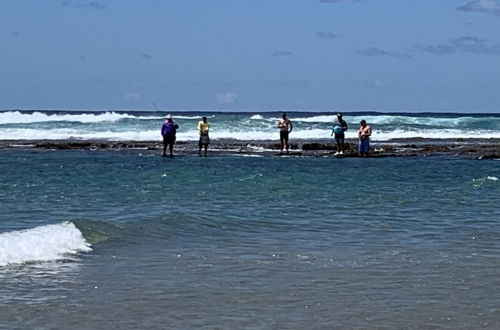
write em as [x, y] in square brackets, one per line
[382, 55]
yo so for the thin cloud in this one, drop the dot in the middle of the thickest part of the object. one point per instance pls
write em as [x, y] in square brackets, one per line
[146, 56]
[481, 6]
[375, 84]
[281, 53]
[326, 35]
[374, 51]
[226, 98]
[95, 5]
[465, 44]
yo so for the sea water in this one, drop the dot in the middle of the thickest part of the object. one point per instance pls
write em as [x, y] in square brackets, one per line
[141, 126]
[130, 240]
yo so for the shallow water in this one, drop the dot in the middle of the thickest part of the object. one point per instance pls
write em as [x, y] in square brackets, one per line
[240, 242]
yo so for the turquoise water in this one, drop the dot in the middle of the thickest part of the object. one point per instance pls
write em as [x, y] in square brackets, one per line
[247, 242]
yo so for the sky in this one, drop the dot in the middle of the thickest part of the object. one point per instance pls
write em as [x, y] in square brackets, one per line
[248, 55]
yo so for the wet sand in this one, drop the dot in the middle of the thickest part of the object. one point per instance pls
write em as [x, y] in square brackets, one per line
[465, 148]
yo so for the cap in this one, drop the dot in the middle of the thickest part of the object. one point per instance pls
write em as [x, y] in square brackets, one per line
[169, 116]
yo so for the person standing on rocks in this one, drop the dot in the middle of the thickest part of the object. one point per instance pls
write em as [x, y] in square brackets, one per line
[168, 131]
[203, 128]
[285, 126]
[339, 129]
[364, 133]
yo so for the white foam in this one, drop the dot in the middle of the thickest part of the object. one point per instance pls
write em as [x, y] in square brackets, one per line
[247, 155]
[17, 117]
[44, 243]
[245, 133]
[398, 120]
[478, 183]
[73, 133]
[151, 135]
[191, 117]
[257, 117]
[434, 134]
[317, 119]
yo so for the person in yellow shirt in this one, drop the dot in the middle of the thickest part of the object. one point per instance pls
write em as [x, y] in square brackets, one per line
[203, 128]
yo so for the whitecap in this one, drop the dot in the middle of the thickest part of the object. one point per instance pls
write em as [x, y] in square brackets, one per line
[191, 117]
[257, 117]
[17, 117]
[44, 243]
[317, 119]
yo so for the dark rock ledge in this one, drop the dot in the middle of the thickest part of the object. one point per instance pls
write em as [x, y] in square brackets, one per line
[465, 148]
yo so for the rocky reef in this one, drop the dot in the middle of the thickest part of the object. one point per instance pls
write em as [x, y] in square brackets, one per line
[467, 148]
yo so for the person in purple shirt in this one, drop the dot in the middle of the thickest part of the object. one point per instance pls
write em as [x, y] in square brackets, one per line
[168, 131]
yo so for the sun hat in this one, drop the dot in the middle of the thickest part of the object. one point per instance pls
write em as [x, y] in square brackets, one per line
[169, 116]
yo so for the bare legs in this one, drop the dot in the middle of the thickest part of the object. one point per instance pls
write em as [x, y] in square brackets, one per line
[284, 144]
[204, 146]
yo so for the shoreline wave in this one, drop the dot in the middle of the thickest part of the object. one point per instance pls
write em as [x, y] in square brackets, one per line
[41, 244]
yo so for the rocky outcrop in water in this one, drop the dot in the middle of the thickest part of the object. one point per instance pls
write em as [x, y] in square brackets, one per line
[477, 149]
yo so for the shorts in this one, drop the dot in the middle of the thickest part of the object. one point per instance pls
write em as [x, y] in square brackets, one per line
[284, 135]
[364, 145]
[339, 138]
[168, 139]
[204, 140]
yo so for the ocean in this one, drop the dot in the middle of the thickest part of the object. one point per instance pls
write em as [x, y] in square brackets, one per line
[144, 126]
[130, 240]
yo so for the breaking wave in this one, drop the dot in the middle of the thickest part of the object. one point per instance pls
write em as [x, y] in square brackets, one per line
[17, 117]
[135, 126]
[396, 120]
[44, 243]
[260, 135]
[257, 117]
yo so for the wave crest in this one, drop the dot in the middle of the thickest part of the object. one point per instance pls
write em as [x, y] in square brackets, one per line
[17, 117]
[44, 243]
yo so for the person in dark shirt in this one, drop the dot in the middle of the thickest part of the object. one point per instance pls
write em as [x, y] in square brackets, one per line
[339, 129]
[168, 131]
